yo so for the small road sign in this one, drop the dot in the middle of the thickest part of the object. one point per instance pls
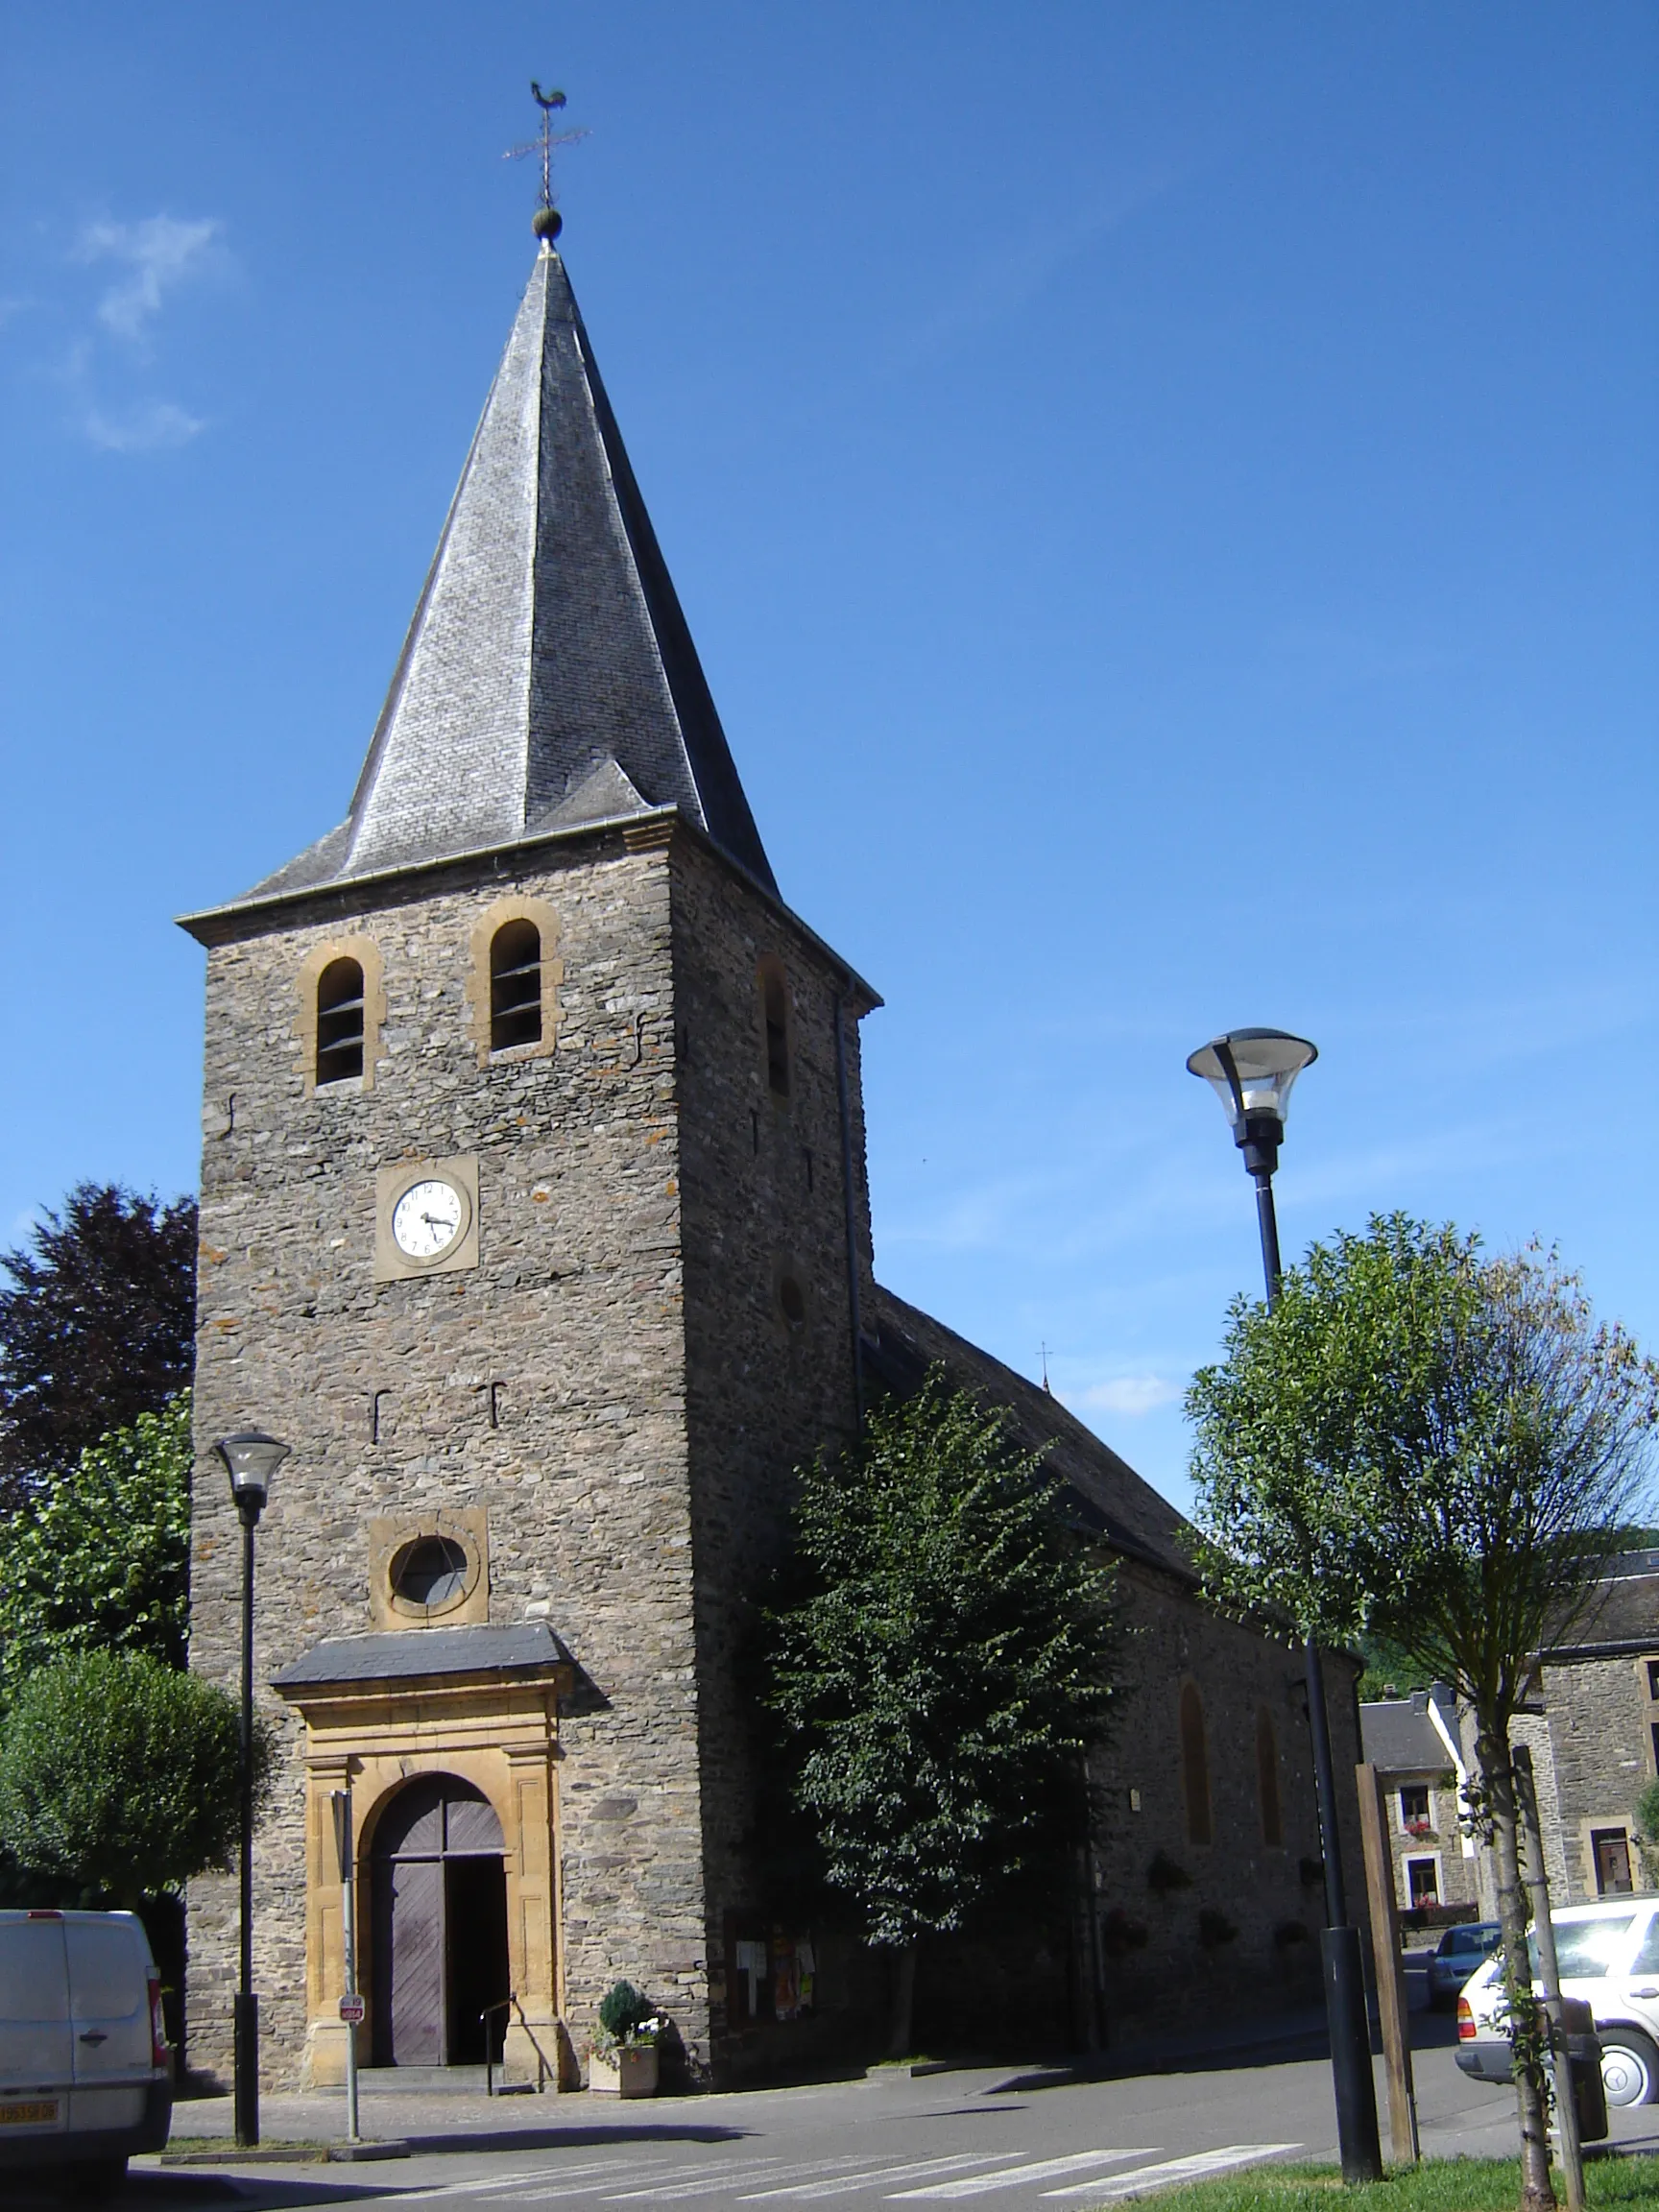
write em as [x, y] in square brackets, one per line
[354, 2011]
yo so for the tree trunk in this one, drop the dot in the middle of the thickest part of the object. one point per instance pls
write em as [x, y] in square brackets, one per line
[904, 2003]
[1492, 1748]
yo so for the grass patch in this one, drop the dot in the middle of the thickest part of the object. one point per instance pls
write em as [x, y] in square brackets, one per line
[1437, 2185]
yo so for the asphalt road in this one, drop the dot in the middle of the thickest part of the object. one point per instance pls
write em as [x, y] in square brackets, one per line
[983, 2137]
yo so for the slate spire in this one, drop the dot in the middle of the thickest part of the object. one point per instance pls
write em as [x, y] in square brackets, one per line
[548, 677]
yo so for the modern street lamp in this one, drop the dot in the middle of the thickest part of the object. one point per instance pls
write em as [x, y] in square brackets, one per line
[1251, 1071]
[251, 1460]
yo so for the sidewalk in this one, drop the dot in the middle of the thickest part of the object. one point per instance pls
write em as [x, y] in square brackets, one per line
[429, 2115]
[430, 2119]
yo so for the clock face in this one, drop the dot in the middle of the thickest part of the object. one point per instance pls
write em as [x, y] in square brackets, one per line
[428, 1220]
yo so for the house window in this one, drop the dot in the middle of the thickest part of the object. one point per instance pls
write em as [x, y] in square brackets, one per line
[1194, 1765]
[1414, 1810]
[775, 1013]
[1652, 1665]
[514, 986]
[1268, 1780]
[340, 1021]
[1610, 1852]
[1423, 1882]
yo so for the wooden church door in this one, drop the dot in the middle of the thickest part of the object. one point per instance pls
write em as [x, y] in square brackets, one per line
[440, 1925]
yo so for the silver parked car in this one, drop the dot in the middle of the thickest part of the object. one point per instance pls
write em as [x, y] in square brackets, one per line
[1608, 1953]
[1457, 1955]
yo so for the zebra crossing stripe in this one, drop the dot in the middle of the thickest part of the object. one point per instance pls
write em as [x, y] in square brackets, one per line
[1169, 2171]
[611, 2171]
[845, 2183]
[605, 2168]
[708, 2179]
[686, 2179]
[1019, 2176]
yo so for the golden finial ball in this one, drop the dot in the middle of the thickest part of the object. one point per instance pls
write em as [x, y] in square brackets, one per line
[547, 223]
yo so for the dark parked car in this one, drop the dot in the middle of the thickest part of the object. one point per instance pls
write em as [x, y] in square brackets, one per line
[1457, 1955]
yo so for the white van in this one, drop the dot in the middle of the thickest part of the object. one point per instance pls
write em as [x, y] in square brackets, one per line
[85, 2074]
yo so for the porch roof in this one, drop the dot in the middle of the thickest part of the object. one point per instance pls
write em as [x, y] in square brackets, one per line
[524, 1647]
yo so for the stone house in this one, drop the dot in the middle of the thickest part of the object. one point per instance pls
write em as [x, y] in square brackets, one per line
[535, 1220]
[1591, 1720]
[1416, 1749]
[1592, 1717]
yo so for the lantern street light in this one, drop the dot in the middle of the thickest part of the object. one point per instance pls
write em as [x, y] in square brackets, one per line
[251, 1460]
[1251, 1071]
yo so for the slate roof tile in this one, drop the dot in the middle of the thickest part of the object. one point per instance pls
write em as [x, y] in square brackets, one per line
[548, 678]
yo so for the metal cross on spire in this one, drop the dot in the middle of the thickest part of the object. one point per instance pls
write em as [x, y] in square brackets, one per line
[546, 222]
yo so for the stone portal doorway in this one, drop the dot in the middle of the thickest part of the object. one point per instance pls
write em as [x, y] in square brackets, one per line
[439, 1956]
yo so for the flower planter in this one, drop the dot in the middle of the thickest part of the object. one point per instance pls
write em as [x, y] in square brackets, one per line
[629, 2071]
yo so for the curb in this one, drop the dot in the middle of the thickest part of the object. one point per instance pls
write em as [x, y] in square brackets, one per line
[290, 2155]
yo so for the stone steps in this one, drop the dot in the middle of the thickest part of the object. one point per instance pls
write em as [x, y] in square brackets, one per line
[438, 2080]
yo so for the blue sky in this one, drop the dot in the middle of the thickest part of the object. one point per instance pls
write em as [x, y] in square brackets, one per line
[1166, 495]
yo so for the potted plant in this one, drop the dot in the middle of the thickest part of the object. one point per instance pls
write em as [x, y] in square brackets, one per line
[622, 2059]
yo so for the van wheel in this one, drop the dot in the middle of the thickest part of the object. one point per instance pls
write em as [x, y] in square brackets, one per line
[87, 2181]
[1629, 2067]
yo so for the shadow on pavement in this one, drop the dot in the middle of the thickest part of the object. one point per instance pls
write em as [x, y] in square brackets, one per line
[573, 2138]
[163, 2191]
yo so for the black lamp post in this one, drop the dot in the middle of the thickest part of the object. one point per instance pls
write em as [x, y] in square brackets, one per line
[1251, 1071]
[251, 1459]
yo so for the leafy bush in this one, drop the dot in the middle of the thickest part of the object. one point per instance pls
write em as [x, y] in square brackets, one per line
[626, 2016]
[121, 1775]
[946, 1667]
[101, 1560]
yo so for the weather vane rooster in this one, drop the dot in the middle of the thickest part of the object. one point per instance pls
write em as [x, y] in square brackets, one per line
[546, 222]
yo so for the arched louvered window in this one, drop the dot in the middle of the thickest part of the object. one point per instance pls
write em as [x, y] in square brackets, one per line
[1195, 1765]
[514, 986]
[775, 1008]
[1267, 1779]
[340, 1021]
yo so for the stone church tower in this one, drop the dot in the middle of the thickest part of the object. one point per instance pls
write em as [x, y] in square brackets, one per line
[534, 1219]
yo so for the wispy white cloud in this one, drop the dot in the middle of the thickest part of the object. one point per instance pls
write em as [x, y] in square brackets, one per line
[1005, 280]
[1131, 1395]
[157, 255]
[152, 259]
[152, 426]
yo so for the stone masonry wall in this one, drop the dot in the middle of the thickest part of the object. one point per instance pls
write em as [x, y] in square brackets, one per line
[1600, 1743]
[1263, 1891]
[575, 1311]
[1022, 1980]
[762, 1197]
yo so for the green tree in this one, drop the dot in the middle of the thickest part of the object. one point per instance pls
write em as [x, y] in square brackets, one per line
[101, 1561]
[1439, 1452]
[97, 1325]
[1390, 1673]
[119, 1777]
[942, 1670]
